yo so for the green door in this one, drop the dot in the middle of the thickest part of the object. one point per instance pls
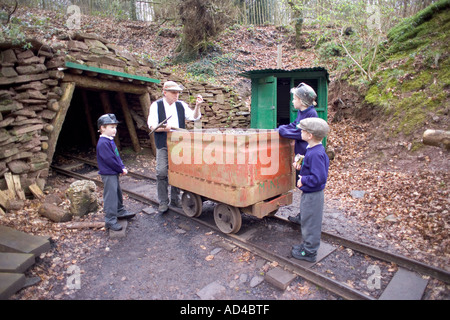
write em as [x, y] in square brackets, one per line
[264, 97]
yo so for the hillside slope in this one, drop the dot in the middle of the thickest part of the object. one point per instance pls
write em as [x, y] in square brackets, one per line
[412, 84]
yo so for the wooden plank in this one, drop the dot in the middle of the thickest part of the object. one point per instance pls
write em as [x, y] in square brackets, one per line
[68, 88]
[36, 191]
[12, 240]
[4, 197]
[145, 101]
[16, 262]
[18, 187]
[10, 183]
[103, 84]
[10, 283]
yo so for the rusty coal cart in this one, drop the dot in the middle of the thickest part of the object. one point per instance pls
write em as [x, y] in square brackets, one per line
[246, 171]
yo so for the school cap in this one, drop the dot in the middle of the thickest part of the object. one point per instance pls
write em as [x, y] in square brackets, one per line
[109, 118]
[305, 93]
[172, 86]
[316, 126]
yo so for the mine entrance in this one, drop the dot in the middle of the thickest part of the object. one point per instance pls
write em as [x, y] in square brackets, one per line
[89, 93]
[79, 131]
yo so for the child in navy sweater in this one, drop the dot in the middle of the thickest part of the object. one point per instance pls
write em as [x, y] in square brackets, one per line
[110, 167]
[303, 101]
[312, 179]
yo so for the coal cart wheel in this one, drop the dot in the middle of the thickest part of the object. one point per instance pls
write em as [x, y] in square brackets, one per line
[192, 204]
[228, 218]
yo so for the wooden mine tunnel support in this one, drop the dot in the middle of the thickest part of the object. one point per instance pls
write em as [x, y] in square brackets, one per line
[104, 85]
[145, 105]
[104, 97]
[64, 103]
[90, 123]
[129, 122]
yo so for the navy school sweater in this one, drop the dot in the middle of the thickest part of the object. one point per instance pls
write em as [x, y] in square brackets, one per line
[314, 170]
[291, 131]
[108, 158]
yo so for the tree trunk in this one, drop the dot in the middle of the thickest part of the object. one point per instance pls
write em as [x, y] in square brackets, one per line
[82, 225]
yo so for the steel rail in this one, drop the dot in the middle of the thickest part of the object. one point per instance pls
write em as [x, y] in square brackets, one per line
[400, 260]
[403, 261]
[94, 164]
[315, 277]
[339, 288]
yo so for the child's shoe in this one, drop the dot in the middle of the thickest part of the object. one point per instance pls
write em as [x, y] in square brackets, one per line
[114, 226]
[295, 219]
[301, 254]
[163, 207]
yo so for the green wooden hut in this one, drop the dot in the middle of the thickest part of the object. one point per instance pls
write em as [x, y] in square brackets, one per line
[271, 97]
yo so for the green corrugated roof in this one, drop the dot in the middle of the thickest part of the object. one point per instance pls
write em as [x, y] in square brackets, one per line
[110, 72]
[250, 73]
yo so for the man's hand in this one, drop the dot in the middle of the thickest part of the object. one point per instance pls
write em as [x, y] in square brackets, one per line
[165, 128]
[199, 100]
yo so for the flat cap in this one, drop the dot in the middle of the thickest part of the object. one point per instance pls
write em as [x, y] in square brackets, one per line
[316, 126]
[172, 86]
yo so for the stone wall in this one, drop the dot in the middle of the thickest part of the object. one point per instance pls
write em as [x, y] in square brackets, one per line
[29, 94]
[31, 89]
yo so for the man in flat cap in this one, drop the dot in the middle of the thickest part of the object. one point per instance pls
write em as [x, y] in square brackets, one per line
[178, 111]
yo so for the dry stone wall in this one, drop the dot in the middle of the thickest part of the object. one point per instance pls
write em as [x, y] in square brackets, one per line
[222, 108]
[31, 91]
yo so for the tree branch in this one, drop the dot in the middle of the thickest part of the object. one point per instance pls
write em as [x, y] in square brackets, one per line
[12, 12]
[351, 57]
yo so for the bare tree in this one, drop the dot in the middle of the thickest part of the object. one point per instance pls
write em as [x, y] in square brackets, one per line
[202, 21]
[9, 9]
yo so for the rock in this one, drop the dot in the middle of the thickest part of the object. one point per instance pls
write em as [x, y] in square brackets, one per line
[18, 167]
[77, 46]
[53, 199]
[8, 72]
[83, 197]
[256, 280]
[211, 291]
[96, 46]
[243, 278]
[357, 194]
[8, 56]
[31, 69]
[54, 213]
[391, 218]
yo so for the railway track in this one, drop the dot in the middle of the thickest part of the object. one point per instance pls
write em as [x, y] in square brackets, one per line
[257, 238]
